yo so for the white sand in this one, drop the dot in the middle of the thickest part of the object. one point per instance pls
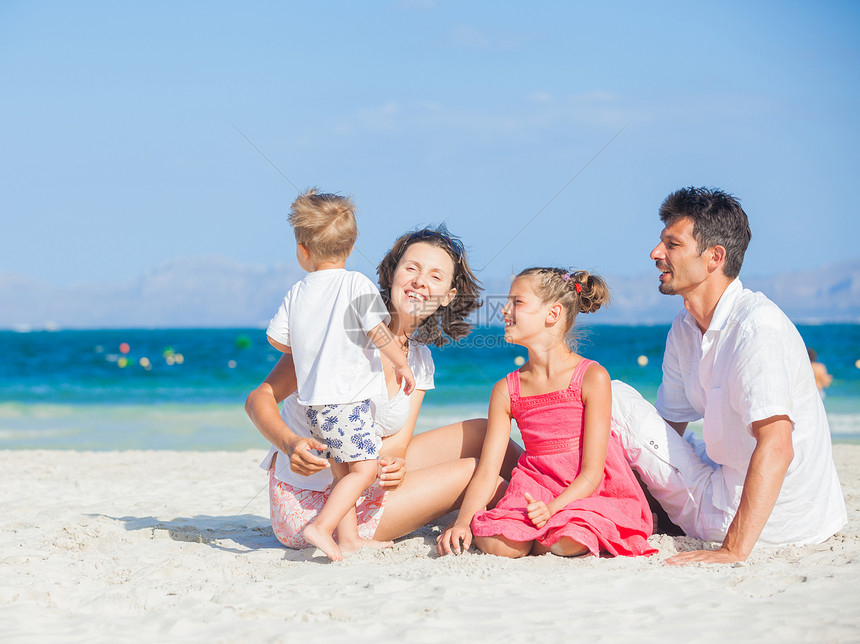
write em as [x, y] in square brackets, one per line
[168, 546]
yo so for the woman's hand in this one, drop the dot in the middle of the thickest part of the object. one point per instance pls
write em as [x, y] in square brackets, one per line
[455, 539]
[392, 471]
[302, 460]
[539, 512]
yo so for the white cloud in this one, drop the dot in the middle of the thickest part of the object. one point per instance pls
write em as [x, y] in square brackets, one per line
[381, 117]
[541, 97]
[423, 5]
[594, 96]
[531, 119]
[468, 37]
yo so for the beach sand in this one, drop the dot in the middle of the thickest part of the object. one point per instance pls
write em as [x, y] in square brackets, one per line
[168, 546]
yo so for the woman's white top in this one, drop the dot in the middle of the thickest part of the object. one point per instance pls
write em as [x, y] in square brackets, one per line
[389, 416]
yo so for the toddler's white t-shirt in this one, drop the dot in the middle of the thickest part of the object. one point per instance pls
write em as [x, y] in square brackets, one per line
[389, 415]
[325, 319]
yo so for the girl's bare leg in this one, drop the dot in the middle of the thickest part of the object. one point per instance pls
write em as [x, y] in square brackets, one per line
[351, 479]
[564, 547]
[451, 442]
[502, 547]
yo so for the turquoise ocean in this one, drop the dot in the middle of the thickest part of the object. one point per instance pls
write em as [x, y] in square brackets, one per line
[184, 389]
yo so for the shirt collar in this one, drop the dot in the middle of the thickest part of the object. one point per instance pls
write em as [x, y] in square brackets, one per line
[724, 307]
[324, 274]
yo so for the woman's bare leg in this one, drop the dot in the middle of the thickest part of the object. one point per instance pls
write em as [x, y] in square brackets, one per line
[427, 494]
[451, 442]
[502, 547]
[439, 464]
[348, 538]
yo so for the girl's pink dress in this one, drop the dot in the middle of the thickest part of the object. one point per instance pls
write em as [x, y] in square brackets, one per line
[614, 519]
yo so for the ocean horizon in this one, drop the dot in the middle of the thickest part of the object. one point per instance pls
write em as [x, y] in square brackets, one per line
[184, 389]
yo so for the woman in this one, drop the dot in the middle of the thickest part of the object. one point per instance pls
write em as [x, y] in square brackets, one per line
[429, 290]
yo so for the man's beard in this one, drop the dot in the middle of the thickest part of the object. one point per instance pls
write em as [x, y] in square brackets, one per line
[666, 289]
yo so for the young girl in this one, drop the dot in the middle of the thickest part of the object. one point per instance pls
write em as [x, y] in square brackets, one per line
[572, 492]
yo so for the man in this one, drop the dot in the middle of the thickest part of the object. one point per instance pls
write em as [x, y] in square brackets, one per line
[764, 471]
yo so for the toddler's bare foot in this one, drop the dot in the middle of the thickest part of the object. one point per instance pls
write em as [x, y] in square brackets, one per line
[323, 541]
[354, 545]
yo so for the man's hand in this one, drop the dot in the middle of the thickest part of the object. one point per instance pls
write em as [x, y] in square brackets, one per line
[768, 464]
[302, 461]
[718, 556]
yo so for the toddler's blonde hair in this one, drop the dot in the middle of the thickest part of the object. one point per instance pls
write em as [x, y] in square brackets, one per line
[325, 224]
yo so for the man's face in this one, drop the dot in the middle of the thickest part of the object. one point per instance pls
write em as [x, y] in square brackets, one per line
[681, 266]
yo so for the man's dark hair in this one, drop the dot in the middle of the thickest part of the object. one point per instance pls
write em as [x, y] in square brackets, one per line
[718, 220]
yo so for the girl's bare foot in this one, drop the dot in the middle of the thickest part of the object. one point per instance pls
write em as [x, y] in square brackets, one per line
[323, 541]
[354, 545]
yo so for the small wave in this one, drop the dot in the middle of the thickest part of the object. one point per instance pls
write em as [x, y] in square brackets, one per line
[33, 434]
[844, 425]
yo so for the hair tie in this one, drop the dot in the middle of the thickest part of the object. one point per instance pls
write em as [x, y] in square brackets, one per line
[565, 277]
[578, 287]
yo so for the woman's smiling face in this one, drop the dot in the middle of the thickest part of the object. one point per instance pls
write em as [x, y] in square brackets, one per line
[422, 281]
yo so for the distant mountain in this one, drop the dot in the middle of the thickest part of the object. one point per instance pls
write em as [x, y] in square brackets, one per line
[192, 292]
[827, 294]
[217, 292]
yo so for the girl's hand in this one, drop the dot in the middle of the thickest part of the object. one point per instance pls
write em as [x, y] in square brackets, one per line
[392, 471]
[455, 539]
[302, 460]
[539, 512]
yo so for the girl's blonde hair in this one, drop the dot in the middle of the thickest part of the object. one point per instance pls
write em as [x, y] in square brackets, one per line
[577, 291]
[325, 223]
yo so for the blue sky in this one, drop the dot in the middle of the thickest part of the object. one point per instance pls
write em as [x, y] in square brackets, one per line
[123, 128]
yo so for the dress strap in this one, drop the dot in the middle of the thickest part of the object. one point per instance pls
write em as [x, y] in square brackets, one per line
[513, 379]
[579, 374]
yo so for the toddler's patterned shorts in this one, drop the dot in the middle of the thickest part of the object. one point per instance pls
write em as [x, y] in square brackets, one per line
[347, 430]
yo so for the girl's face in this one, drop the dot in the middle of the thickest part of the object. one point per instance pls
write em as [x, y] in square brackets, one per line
[422, 282]
[525, 315]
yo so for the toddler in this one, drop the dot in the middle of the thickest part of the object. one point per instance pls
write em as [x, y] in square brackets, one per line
[332, 322]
